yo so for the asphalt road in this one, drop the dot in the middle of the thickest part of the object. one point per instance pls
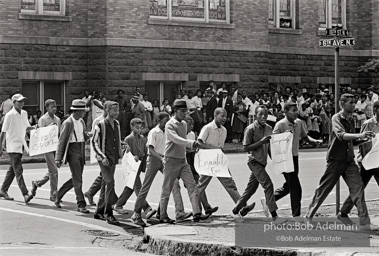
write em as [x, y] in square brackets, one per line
[43, 227]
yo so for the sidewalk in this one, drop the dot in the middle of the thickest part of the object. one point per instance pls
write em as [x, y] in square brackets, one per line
[216, 236]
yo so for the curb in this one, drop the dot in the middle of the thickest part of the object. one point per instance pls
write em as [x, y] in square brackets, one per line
[166, 246]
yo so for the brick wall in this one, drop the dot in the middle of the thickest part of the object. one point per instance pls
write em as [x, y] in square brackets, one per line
[11, 25]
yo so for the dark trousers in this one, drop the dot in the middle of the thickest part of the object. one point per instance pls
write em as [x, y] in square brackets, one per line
[96, 185]
[350, 173]
[366, 176]
[76, 162]
[127, 192]
[106, 199]
[291, 186]
[258, 176]
[15, 170]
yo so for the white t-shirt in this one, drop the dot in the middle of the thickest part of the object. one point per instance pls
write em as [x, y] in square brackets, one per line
[14, 126]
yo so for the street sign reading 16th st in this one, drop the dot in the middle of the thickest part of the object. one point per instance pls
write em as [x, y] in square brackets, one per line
[337, 42]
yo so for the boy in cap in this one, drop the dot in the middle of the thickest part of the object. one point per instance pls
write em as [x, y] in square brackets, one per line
[14, 129]
[49, 119]
[341, 162]
[106, 142]
[156, 144]
[137, 146]
[71, 150]
[176, 165]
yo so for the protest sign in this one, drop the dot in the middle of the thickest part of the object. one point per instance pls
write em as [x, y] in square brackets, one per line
[281, 152]
[43, 140]
[212, 162]
[129, 169]
[370, 161]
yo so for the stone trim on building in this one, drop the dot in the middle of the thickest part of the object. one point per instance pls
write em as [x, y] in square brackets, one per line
[219, 77]
[44, 17]
[179, 45]
[284, 79]
[39, 75]
[165, 77]
[330, 80]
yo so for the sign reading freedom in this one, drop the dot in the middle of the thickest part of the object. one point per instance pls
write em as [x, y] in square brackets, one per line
[43, 140]
[212, 162]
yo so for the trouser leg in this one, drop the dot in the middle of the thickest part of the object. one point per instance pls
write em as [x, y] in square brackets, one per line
[190, 184]
[96, 185]
[16, 163]
[354, 182]
[328, 181]
[171, 172]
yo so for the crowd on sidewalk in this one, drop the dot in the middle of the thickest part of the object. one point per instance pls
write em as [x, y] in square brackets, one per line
[172, 141]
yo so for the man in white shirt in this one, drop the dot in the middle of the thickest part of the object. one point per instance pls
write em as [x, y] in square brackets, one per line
[14, 129]
[245, 99]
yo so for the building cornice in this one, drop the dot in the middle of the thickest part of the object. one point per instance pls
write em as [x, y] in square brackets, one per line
[5, 39]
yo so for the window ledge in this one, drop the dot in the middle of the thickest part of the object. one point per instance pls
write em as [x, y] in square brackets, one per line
[285, 31]
[28, 16]
[152, 21]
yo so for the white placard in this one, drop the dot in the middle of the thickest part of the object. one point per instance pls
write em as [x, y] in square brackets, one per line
[281, 152]
[129, 169]
[370, 161]
[43, 140]
[212, 162]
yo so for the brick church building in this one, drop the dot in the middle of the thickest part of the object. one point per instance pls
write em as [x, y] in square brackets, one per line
[58, 48]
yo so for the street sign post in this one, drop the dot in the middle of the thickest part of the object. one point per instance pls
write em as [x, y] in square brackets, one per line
[342, 38]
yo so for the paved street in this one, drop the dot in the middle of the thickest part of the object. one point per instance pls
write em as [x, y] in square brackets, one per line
[43, 227]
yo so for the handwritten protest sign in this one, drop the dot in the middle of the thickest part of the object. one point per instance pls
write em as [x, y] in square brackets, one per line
[43, 140]
[129, 169]
[370, 161]
[281, 152]
[212, 162]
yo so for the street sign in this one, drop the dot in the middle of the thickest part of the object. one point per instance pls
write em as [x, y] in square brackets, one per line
[337, 32]
[337, 42]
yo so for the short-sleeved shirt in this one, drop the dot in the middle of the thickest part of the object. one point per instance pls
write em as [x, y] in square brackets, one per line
[47, 120]
[340, 149]
[254, 133]
[296, 128]
[156, 138]
[137, 144]
[213, 135]
[14, 126]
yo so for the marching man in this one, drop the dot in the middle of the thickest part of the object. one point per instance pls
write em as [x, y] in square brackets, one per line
[14, 129]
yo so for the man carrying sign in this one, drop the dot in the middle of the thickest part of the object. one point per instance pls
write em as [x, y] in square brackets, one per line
[14, 129]
[106, 142]
[49, 119]
[292, 185]
[256, 141]
[213, 136]
[366, 175]
[340, 162]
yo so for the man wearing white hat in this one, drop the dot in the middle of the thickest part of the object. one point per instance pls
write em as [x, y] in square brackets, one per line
[14, 129]
[71, 150]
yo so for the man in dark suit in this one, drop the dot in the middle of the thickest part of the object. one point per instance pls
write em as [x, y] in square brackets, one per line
[212, 104]
[227, 104]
